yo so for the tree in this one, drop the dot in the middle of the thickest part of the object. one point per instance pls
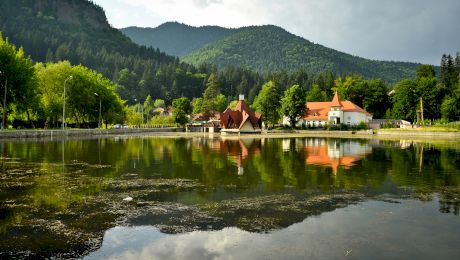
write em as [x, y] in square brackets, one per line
[181, 108]
[450, 106]
[425, 71]
[213, 100]
[404, 100]
[293, 104]
[268, 102]
[159, 103]
[82, 103]
[51, 77]
[449, 72]
[197, 105]
[19, 79]
[316, 94]
[376, 100]
[353, 88]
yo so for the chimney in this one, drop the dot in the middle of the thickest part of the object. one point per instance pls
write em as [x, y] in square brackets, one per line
[241, 98]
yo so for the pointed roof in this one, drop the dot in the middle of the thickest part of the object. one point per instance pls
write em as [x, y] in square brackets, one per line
[240, 116]
[336, 100]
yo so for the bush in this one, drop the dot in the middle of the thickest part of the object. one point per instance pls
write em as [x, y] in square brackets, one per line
[161, 120]
[362, 126]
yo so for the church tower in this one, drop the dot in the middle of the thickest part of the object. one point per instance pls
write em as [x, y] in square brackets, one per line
[335, 115]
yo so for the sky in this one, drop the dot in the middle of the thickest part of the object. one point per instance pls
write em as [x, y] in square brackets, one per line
[399, 30]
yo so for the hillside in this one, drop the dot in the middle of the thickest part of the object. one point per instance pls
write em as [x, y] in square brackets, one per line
[78, 31]
[268, 48]
[175, 38]
[262, 48]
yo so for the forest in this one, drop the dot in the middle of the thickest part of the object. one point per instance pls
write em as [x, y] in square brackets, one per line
[128, 83]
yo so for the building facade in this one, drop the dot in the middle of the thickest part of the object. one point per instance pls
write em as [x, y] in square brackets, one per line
[240, 120]
[335, 112]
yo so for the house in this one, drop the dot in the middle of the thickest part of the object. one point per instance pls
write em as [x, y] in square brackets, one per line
[240, 120]
[336, 112]
[202, 122]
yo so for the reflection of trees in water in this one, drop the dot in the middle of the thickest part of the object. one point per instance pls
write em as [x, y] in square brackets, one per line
[38, 184]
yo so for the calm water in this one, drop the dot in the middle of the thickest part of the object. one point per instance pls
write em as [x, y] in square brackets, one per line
[211, 198]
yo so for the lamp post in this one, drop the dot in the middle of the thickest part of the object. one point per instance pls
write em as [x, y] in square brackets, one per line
[63, 104]
[139, 109]
[99, 125]
[4, 100]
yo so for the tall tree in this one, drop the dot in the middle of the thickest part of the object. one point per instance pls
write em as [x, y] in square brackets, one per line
[353, 88]
[316, 94]
[293, 104]
[405, 100]
[268, 102]
[376, 101]
[213, 100]
[181, 108]
[18, 79]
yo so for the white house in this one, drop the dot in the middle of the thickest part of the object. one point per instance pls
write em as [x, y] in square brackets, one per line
[336, 111]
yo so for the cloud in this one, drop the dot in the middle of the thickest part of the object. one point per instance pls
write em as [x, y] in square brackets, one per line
[206, 3]
[410, 30]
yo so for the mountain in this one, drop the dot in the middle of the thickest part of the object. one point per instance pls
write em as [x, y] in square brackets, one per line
[175, 38]
[264, 49]
[78, 31]
[268, 48]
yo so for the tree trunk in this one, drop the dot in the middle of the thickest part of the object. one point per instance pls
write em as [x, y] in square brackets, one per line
[28, 119]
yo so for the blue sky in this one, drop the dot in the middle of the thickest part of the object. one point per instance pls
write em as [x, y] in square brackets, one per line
[401, 30]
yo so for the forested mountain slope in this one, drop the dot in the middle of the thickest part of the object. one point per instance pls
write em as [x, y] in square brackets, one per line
[271, 48]
[78, 31]
[261, 48]
[175, 38]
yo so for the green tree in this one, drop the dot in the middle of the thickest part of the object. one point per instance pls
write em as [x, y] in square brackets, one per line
[316, 94]
[376, 101]
[213, 100]
[293, 104]
[85, 92]
[353, 88]
[19, 79]
[404, 100]
[268, 102]
[51, 77]
[159, 103]
[450, 108]
[181, 108]
[197, 104]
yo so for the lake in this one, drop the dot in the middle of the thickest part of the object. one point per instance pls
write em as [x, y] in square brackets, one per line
[196, 197]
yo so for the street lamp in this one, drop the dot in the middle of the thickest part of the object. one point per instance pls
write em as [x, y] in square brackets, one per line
[100, 107]
[4, 100]
[63, 105]
[140, 109]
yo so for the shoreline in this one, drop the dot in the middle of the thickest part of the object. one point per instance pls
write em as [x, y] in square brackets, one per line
[50, 135]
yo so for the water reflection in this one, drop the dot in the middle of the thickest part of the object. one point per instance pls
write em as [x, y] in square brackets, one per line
[72, 190]
[371, 230]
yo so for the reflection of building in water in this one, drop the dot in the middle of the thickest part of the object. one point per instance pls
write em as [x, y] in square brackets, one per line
[238, 150]
[335, 153]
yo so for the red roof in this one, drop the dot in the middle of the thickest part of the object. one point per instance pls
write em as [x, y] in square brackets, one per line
[235, 119]
[318, 111]
[336, 100]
